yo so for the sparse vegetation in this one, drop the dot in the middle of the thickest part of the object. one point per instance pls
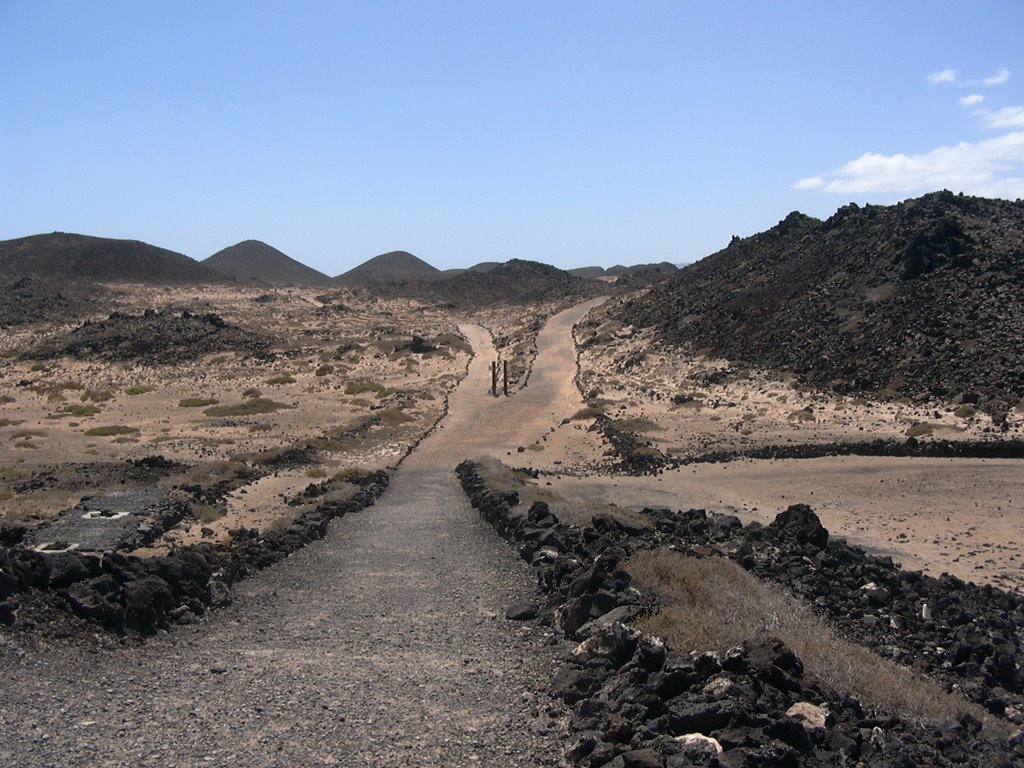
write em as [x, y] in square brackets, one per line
[4, 422]
[197, 402]
[324, 370]
[97, 395]
[139, 389]
[251, 392]
[250, 407]
[965, 412]
[276, 381]
[713, 604]
[637, 424]
[111, 431]
[81, 411]
[391, 417]
[363, 386]
[586, 413]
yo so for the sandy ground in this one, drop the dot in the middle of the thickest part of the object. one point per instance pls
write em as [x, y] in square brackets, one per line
[960, 516]
[341, 376]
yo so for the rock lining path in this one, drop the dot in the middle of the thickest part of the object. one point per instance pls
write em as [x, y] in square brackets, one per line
[385, 644]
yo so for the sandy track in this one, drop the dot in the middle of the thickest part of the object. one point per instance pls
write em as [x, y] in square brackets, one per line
[384, 644]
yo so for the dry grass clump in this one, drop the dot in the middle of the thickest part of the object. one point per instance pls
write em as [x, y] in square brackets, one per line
[4, 422]
[587, 413]
[638, 424]
[250, 407]
[111, 431]
[392, 417]
[197, 402]
[276, 381]
[713, 604]
[360, 387]
[97, 395]
[139, 389]
[81, 411]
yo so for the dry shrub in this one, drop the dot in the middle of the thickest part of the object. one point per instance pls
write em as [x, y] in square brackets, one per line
[276, 381]
[97, 395]
[589, 412]
[392, 417]
[637, 424]
[111, 431]
[197, 402]
[250, 407]
[139, 389]
[713, 604]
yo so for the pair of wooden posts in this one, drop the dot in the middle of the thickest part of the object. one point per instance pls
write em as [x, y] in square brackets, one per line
[494, 377]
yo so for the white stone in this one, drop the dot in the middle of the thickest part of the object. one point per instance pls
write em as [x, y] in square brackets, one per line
[810, 715]
[701, 742]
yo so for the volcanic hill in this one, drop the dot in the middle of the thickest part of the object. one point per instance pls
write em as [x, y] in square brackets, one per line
[924, 298]
[389, 267]
[255, 260]
[66, 256]
[515, 282]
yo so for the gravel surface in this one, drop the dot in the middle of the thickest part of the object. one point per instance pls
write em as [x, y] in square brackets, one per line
[384, 644]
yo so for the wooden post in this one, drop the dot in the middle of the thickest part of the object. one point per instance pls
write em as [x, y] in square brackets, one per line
[504, 384]
[494, 378]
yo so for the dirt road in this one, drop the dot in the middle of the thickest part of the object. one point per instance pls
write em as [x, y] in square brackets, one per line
[385, 644]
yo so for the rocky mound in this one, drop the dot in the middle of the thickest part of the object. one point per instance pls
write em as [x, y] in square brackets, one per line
[79, 257]
[388, 267]
[636, 702]
[924, 298]
[29, 300]
[153, 338]
[255, 260]
[514, 282]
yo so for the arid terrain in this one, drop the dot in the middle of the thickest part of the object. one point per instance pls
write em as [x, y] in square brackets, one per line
[162, 445]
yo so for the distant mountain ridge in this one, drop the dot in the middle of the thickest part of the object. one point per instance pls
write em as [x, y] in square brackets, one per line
[388, 267]
[924, 298]
[255, 260]
[68, 256]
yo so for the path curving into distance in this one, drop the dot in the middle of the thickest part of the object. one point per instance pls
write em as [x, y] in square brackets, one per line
[384, 644]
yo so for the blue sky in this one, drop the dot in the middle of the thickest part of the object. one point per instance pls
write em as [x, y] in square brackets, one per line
[573, 133]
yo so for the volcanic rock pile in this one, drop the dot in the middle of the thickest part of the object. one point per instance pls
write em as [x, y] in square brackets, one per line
[153, 338]
[125, 593]
[924, 298]
[636, 703]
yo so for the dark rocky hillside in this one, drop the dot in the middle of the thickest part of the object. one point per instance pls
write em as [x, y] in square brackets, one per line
[153, 338]
[924, 298]
[388, 267]
[255, 260]
[65, 256]
[28, 300]
[514, 282]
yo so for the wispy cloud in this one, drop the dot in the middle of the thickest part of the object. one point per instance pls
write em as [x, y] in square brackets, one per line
[998, 78]
[1007, 117]
[970, 100]
[943, 76]
[811, 182]
[992, 168]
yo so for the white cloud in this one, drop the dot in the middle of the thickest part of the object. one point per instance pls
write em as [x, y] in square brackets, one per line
[992, 168]
[998, 78]
[811, 182]
[944, 76]
[1007, 117]
[970, 100]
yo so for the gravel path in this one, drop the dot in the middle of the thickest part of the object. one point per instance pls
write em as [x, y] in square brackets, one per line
[385, 644]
